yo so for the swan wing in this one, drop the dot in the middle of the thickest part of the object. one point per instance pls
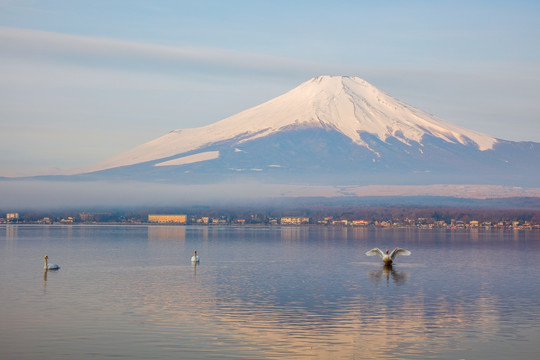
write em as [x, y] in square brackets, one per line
[375, 251]
[398, 251]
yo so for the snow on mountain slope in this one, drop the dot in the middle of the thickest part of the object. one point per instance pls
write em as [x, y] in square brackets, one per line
[348, 105]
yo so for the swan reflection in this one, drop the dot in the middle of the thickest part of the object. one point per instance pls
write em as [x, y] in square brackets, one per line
[387, 272]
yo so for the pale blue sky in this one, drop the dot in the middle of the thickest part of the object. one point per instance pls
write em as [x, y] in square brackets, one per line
[81, 81]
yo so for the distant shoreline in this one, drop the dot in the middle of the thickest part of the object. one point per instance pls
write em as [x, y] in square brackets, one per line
[335, 226]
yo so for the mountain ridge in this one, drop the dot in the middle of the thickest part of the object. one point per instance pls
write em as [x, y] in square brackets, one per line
[349, 105]
[328, 131]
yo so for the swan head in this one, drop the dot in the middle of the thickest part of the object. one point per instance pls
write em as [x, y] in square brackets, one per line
[387, 251]
[195, 257]
[46, 257]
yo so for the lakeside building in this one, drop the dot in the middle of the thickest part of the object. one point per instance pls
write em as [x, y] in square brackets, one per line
[294, 220]
[12, 217]
[359, 223]
[167, 219]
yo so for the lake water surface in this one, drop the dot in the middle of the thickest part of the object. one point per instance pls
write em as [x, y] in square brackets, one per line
[267, 293]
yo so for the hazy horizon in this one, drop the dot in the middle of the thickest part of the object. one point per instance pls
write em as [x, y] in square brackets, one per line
[43, 194]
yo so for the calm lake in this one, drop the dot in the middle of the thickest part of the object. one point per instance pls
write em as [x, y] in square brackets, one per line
[267, 293]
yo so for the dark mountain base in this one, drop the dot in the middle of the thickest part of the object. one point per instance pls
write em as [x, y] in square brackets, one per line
[327, 157]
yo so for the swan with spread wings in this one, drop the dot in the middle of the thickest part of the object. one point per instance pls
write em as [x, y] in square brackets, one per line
[387, 257]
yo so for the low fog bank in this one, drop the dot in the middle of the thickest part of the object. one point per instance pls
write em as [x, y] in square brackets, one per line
[41, 194]
[57, 194]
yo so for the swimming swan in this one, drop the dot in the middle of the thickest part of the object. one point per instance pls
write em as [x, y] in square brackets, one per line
[195, 257]
[388, 258]
[47, 266]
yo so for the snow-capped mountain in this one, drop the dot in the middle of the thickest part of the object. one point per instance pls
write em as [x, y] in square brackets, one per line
[330, 129]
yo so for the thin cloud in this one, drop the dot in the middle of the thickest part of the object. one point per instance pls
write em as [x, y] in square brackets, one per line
[106, 52]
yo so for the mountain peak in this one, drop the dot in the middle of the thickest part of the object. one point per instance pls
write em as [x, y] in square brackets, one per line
[346, 104]
[353, 106]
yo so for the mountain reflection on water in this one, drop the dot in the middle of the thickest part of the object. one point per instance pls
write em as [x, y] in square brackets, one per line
[268, 293]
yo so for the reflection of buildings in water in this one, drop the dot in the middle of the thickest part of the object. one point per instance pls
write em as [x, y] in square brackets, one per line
[360, 233]
[12, 232]
[294, 233]
[204, 232]
[328, 234]
[387, 272]
[343, 233]
[167, 232]
[340, 233]
[517, 235]
[67, 231]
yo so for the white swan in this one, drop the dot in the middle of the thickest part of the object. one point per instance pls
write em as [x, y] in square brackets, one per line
[47, 266]
[388, 258]
[195, 257]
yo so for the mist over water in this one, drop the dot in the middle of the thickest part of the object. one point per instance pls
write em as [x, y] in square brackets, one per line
[51, 194]
[19, 194]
